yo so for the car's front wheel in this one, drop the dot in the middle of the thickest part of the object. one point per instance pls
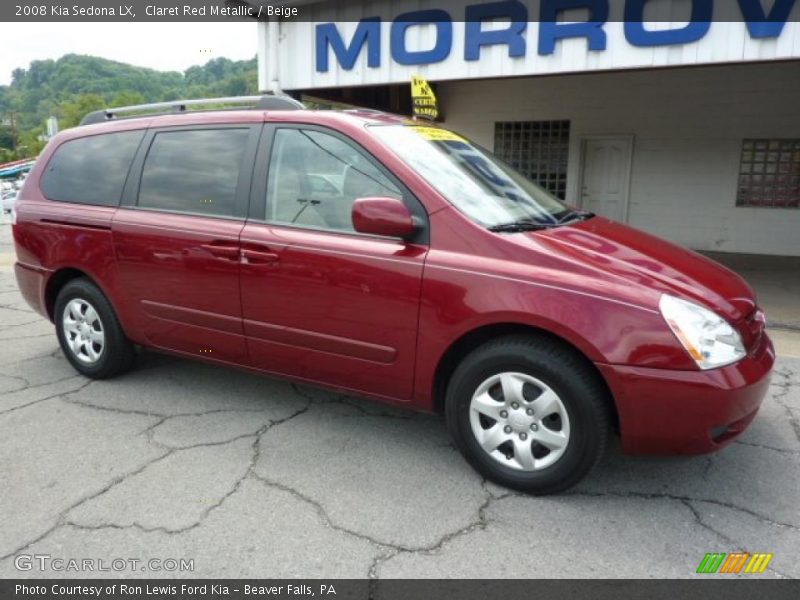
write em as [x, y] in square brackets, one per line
[528, 413]
[89, 331]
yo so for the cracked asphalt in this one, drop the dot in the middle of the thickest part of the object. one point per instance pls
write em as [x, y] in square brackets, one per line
[255, 477]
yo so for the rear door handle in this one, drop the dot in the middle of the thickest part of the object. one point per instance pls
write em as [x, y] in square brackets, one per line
[256, 257]
[222, 250]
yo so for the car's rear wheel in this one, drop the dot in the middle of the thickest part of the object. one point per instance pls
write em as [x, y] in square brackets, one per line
[89, 331]
[528, 413]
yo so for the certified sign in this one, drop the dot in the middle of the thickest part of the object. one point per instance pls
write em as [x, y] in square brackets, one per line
[423, 100]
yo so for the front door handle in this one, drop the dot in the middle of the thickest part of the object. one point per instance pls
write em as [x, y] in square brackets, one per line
[222, 250]
[256, 257]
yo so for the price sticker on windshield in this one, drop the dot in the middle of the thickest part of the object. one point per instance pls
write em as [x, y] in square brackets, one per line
[435, 134]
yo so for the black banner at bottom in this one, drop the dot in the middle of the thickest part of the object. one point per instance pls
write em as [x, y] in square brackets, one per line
[397, 589]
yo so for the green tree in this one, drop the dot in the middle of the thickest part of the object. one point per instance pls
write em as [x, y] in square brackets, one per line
[75, 85]
[6, 138]
[72, 112]
[127, 99]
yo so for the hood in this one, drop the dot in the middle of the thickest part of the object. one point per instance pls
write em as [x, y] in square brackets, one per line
[646, 261]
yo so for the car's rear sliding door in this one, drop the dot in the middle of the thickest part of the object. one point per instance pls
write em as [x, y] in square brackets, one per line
[176, 238]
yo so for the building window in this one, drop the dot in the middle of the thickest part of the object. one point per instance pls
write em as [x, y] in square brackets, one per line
[538, 149]
[769, 174]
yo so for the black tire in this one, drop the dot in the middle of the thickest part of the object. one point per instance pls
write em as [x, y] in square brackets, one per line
[567, 373]
[117, 354]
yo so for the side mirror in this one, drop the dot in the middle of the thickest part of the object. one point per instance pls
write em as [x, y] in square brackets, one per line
[383, 216]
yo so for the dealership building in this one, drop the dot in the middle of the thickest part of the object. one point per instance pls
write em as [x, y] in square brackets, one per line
[678, 117]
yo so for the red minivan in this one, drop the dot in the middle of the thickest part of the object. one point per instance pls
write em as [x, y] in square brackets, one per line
[391, 259]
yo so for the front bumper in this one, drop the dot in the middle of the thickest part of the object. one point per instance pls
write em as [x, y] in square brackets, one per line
[688, 412]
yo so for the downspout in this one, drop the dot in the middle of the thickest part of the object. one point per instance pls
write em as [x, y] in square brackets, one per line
[268, 78]
[272, 56]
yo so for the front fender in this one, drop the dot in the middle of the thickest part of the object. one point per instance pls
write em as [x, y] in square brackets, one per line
[606, 330]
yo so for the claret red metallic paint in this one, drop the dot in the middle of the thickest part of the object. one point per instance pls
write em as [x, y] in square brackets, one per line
[387, 318]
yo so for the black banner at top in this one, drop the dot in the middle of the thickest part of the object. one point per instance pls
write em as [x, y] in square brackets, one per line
[701, 588]
[757, 13]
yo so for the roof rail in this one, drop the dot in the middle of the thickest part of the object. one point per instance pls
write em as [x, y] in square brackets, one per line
[265, 102]
[367, 111]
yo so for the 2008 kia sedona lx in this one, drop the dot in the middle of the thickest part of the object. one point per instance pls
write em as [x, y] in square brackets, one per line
[391, 259]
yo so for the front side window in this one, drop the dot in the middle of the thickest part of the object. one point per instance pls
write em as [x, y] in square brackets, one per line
[91, 170]
[315, 177]
[476, 182]
[194, 171]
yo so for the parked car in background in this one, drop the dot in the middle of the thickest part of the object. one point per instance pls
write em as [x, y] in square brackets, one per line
[392, 259]
[9, 189]
[8, 194]
[8, 199]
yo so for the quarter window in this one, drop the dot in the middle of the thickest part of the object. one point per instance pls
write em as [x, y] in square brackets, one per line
[194, 171]
[769, 173]
[91, 170]
[315, 177]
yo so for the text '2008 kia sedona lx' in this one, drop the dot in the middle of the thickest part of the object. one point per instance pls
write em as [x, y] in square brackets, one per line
[391, 259]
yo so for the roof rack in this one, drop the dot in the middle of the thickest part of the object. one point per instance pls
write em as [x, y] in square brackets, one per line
[368, 111]
[265, 102]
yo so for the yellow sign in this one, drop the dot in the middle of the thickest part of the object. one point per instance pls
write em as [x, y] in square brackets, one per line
[423, 100]
[435, 134]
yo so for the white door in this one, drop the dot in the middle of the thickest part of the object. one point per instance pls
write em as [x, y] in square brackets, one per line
[606, 176]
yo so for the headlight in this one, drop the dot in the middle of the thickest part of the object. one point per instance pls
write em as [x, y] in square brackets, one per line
[708, 338]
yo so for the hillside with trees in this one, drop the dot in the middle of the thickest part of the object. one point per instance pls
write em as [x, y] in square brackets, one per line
[74, 85]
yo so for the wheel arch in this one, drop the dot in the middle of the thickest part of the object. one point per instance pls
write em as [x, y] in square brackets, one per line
[56, 282]
[478, 336]
[62, 276]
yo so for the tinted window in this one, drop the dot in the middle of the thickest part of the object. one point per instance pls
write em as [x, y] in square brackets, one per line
[314, 178]
[194, 171]
[91, 170]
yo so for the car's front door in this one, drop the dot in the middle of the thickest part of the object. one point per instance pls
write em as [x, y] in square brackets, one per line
[320, 301]
[176, 238]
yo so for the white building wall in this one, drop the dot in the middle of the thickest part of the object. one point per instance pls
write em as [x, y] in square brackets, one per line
[688, 126]
[727, 40]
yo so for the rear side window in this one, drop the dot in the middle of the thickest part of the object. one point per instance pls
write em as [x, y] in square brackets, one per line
[91, 170]
[194, 171]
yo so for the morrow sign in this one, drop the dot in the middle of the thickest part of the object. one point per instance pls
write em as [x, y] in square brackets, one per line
[760, 23]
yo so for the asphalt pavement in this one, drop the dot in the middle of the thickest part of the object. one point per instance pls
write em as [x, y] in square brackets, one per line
[244, 476]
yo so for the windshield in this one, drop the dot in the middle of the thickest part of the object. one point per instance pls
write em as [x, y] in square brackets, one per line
[475, 181]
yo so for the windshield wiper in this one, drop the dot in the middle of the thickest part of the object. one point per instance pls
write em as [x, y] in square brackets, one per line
[529, 225]
[516, 226]
[575, 215]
